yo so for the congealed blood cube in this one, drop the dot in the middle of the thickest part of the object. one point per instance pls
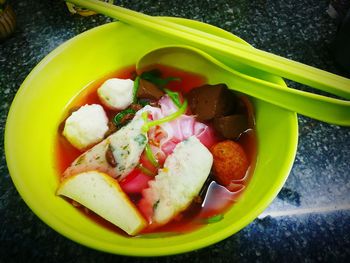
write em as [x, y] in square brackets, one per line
[209, 101]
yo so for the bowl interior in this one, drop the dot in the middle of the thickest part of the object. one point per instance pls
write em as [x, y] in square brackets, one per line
[43, 98]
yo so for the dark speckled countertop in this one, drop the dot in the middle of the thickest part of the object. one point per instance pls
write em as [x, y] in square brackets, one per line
[309, 221]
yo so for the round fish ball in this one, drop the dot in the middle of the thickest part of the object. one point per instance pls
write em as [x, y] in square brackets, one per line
[86, 126]
[116, 93]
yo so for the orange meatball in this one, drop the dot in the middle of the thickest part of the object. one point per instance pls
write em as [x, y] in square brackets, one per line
[230, 162]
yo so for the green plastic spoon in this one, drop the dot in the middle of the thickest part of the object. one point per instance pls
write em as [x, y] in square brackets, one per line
[330, 110]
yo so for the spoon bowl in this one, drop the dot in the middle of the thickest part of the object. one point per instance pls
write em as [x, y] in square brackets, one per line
[331, 110]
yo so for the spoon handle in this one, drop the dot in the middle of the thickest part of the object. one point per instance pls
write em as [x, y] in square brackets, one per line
[213, 44]
[330, 110]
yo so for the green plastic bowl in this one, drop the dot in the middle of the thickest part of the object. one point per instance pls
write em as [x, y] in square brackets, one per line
[43, 98]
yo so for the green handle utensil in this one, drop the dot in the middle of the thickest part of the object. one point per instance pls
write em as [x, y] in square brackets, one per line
[190, 59]
[262, 60]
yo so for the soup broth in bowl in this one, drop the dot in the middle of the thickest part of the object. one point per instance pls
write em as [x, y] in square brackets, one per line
[226, 134]
[69, 77]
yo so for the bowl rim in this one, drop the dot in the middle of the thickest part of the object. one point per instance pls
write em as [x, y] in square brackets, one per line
[180, 248]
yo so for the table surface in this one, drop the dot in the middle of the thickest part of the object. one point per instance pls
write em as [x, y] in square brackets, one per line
[309, 221]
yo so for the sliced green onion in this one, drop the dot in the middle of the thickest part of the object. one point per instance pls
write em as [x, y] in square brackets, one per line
[168, 118]
[154, 76]
[158, 235]
[174, 96]
[151, 74]
[143, 103]
[135, 89]
[212, 219]
[145, 171]
[117, 118]
[151, 156]
[170, 79]
[144, 116]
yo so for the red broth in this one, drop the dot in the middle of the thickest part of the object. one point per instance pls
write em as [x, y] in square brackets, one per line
[217, 199]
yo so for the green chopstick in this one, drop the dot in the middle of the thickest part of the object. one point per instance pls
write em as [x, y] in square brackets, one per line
[256, 58]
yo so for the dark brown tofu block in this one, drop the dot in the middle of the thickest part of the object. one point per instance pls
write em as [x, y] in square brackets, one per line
[209, 101]
[148, 90]
[232, 126]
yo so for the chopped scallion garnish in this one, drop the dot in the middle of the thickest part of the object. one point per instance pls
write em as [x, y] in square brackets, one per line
[168, 118]
[151, 156]
[212, 219]
[154, 76]
[135, 89]
[145, 171]
[118, 118]
[174, 96]
[158, 235]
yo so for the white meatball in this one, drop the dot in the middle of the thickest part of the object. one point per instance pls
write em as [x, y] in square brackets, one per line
[86, 126]
[116, 93]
